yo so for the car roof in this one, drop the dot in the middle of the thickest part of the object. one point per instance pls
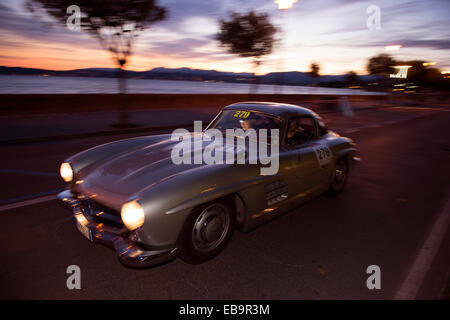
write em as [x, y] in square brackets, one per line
[282, 110]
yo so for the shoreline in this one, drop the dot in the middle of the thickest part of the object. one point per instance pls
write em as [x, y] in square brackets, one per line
[47, 84]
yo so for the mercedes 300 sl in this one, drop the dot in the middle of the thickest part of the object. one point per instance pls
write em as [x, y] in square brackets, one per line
[130, 195]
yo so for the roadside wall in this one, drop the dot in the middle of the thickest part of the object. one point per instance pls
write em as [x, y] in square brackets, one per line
[55, 103]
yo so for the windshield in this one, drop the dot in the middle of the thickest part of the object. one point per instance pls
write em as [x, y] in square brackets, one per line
[245, 119]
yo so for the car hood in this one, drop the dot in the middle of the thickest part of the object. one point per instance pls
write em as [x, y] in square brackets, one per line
[129, 172]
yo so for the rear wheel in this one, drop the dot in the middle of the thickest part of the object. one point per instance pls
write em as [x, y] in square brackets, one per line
[339, 177]
[206, 232]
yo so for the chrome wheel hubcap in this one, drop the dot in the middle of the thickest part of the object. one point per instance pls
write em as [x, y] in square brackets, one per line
[210, 228]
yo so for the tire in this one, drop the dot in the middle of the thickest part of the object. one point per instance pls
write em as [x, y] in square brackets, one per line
[339, 177]
[206, 232]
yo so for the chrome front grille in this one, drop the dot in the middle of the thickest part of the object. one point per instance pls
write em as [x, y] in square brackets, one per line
[101, 213]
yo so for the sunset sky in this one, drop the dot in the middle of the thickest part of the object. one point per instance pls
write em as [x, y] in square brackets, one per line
[330, 32]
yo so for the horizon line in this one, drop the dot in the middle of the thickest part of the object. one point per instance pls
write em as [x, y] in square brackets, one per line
[99, 68]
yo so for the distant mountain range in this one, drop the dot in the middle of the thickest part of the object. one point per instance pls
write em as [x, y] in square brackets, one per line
[287, 78]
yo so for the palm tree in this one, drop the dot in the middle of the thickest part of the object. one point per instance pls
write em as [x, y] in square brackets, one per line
[351, 77]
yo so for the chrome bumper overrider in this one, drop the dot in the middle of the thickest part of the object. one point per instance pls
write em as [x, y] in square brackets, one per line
[107, 228]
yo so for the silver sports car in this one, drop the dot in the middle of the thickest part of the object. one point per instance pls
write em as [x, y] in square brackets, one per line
[153, 198]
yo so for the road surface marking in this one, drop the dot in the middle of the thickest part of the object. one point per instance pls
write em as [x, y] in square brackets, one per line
[412, 283]
[30, 196]
[27, 202]
[29, 172]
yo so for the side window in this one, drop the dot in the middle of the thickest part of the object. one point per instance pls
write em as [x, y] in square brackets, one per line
[308, 125]
[322, 128]
[301, 130]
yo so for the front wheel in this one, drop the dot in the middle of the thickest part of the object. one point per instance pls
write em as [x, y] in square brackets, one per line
[339, 177]
[206, 232]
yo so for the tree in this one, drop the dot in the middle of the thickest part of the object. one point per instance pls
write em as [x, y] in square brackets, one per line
[416, 72]
[381, 64]
[351, 77]
[433, 77]
[249, 35]
[314, 70]
[114, 23]
[422, 75]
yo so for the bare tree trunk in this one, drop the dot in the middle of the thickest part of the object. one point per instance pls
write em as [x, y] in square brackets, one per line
[255, 82]
[254, 86]
[280, 88]
[123, 116]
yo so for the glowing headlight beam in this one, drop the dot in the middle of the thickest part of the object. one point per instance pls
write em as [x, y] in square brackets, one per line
[132, 215]
[66, 172]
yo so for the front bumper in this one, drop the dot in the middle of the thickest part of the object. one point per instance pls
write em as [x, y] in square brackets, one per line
[107, 228]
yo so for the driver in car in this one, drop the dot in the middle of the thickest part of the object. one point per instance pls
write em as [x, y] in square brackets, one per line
[296, 134]
[245, 124]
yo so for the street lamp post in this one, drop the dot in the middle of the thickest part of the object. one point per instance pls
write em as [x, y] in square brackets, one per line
[283, 5]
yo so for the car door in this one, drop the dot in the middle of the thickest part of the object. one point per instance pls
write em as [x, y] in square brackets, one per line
[307, 157]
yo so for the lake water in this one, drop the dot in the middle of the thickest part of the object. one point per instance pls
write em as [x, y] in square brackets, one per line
[41, 84]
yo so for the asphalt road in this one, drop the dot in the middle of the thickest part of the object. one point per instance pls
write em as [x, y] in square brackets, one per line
[320, 250]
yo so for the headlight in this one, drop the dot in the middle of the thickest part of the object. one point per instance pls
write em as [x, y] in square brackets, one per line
[132, 215]
[66, 171]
